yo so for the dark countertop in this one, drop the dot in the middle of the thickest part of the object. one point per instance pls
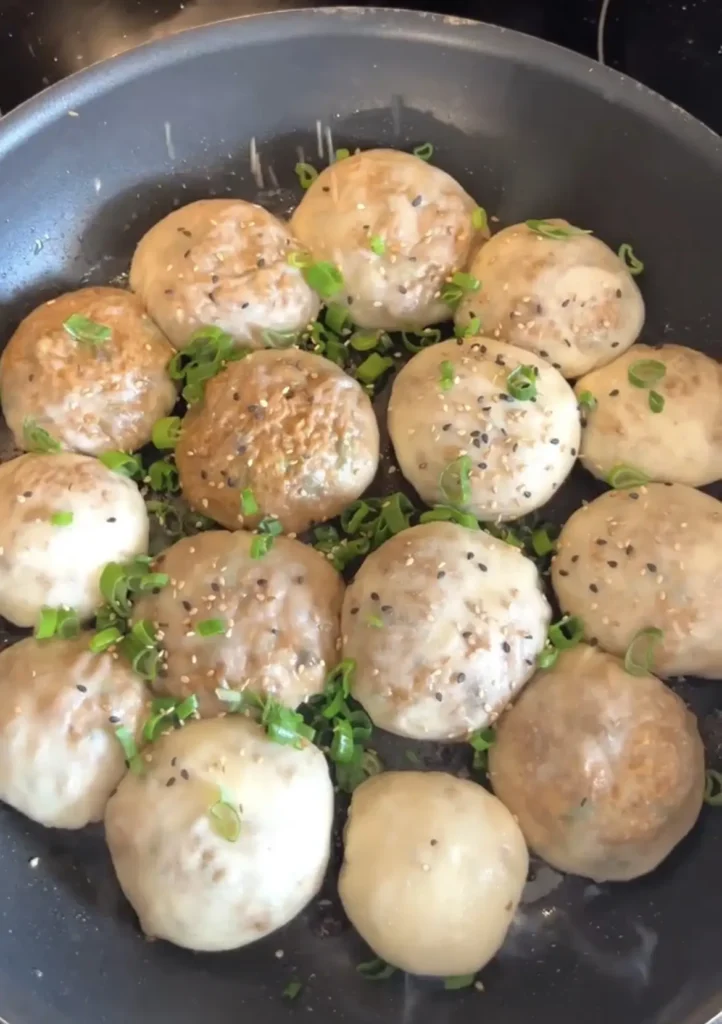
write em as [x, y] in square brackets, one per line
[673, 46]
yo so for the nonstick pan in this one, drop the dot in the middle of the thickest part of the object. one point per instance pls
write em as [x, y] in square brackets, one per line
[530, 130]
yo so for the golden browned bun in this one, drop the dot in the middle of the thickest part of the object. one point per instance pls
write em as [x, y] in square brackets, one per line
[290, 426]
[280, 615]
[90, 397]
[571, 300]
[222, 262]
[396, 227]
[648, 557]
[681, 444]
[604, 771]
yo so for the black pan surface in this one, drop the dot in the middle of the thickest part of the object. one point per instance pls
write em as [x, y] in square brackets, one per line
[531, 131]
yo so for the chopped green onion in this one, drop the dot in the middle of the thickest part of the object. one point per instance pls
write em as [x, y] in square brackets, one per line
[365, 341]
[340, 552]
[294, 988]
[566, 633]
[656, 401]
[481, 743]
[211, 627]
[479, 219]
[61, 518]
[279, 339]
[163, 477]
[47, 624]
[459, 981]
[630, 261]
[357, 513]
[713, 788]
[249, 505]
[299, 260]
[337, 688]
[132, 757]
[104, 639]
[455, 481]
[547, 657]
[587, 401]
[373, 367]
[336, 351]
[447, 375]
[644, 372]
[68, 623]
[82, 328]
[447, 514]
[166, 432]
[542, 544]
[639, 657]
[521, 383]
[413, 758]
[342, 154]
[460, 284]
[424, 152]
[325, 278]
[186, 708]
[429, 336]
[207, 352]
[555, 231]
[376, 621]
[342, 745]
[139, 647]
[394, 518]
[37, 439]
[224, 817]
[284, 725]
[364, 764]
[377, 245]
[375, 970]
[338, 318]
[622, 477]
[306, 174]
[261, 545]
[240, 700]
[270, 525]
[123, 463]
[470, 329]
[166, 711]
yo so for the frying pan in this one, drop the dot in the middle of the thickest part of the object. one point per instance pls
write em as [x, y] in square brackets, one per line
[531, 131]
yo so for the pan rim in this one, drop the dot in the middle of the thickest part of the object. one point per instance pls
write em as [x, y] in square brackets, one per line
[72, 92]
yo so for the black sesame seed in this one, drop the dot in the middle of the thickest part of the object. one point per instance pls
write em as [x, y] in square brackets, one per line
[557, 366]
[629, 549]
[476, 441]
[612, 563]
[185, 774]
[600, 541]
[615, 344]
[215, 278]
[500, 361]
[469, 554]
[375, 596]
[446, 426]
[554, 440]
[325, 188]
[467, 634]
[563, 572]
[236, 397]
[245, 305]
[440, 575]
[633, 495]
[231, 482]
[482, 465]
[386, 608]
[434, 842]
[506, 647]
[573, 451]
[260, 262]
[651, 566]
[171, 782]
[619, 293]
[187, 605]
[594, 588]
[538, 309]
[527, 494]
[480, 565]
[460, 677]
[614, 392]
[262, 583]
[300, 580]
[82, 688]
[241, 448]
[113, 719]
[216, 587]
[485, 438]
[593, 642]
[173, 762]
[204, 475]
[416, 201]
[575, 558]
[543, 354]
[438, 696]
[354, 611]
[111, 519]
[566, 303]
[27, 494]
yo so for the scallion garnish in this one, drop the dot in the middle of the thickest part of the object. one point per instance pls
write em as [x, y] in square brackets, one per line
[446, 375]
[447, 514]
[339, 551]
[82, 328]
[521, 383]
[481, 743]
[37, 439]
[468, 330]
[337, 687]
[423, 339]
[61, 518]
[455, 481]
[365, 341]
[586, 400]
[413, 758]
[46, 624]
[643, 373]
[325, 278]
[424, 152]
[271, 526]
[342, 154]
[713, 788]
[566, 633]
[163, 477]
[362, 766]
[639, 656]
[61, 622]
[479, 219]
[554, 231]
[376, 621]
[630, 261]
[249, 505]
[459, 981]
[656, 401]
[299, 260]
[279, 339]
[373, 367]
[211, 627]
[338, 318]
[139, 647]
[375, 970]
[460, 284]
[225, 817]
[284, 725]
[294, 988]
[118, 581]
[342, 744]
[209, 350]
[132, 757]
[261, 545]
[622, 477]
[542, 544]
[123, 463]
[166, 432]
[547, 657]
[306, 174]
[377, 245]
[166, 712]
[104, 639]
